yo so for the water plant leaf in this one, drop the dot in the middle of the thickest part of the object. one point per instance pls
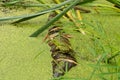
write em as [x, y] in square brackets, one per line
[39, 54]
[40, 30]
[50, 9]
[116, 2]
[11, 2]
[34, 5]
[108, 73]
[44, 27]
[103, 6]
[27, 17]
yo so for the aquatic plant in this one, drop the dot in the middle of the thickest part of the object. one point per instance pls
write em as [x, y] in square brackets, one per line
[58, 40]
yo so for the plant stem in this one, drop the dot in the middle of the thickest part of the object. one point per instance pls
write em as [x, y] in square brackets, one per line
[36, 33]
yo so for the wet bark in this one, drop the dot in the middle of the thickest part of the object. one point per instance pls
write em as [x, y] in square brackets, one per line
[61, 52]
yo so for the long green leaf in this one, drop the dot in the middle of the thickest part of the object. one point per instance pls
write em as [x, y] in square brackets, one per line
[103, 5]
[85, 1]
[34, 5]
[11, 2]
[51, 9]
[116, 2]
[35, 14]
[108, 73]
[40, 30]
[27, 16]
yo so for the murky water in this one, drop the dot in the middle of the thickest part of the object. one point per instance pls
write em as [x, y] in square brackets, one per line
[18, 53]
[27, 58]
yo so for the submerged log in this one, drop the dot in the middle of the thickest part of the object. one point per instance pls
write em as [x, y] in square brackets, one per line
[61, 52]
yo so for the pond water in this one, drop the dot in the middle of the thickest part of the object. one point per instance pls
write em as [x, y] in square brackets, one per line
[28, 58]
[23, 57]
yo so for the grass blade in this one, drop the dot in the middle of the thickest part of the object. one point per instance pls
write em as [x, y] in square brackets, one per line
[36, 33]
[27, 17]
[50, 9]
